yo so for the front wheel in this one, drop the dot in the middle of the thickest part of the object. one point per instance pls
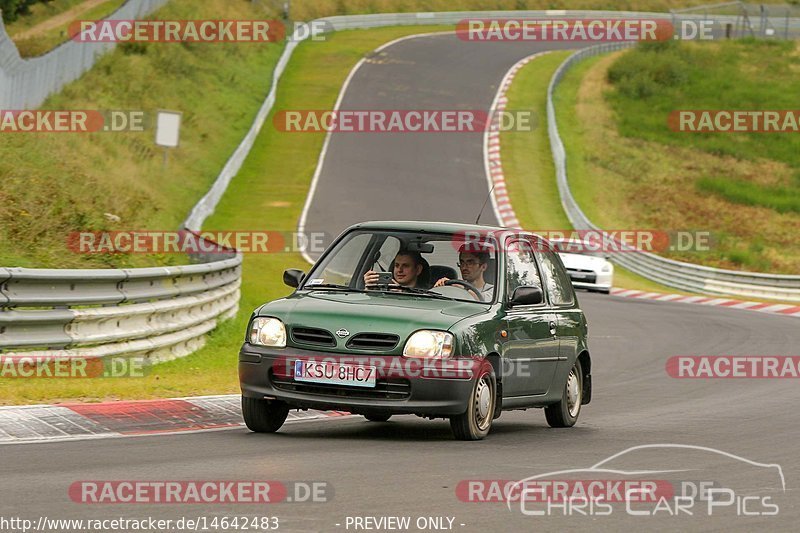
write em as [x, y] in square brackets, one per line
[565, 413]
[264, 416]
[476, 422]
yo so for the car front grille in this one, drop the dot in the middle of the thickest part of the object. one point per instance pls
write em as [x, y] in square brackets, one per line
[373, 341]
[385, 389]
[313, 336]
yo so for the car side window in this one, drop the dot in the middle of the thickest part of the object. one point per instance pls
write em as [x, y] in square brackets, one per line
[558, 284]
[520, 266]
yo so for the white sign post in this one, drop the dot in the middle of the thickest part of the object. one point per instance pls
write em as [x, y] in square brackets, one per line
[168, 129]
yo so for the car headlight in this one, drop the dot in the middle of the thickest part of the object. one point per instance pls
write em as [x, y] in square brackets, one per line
[267, 331]
[429, 344]
[606, 268]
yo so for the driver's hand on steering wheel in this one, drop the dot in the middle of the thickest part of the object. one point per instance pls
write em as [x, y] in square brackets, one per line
[441, 282]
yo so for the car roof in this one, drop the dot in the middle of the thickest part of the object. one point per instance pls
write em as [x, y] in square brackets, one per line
[433, 227]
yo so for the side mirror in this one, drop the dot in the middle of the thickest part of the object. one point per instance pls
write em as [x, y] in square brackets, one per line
[293, 277]
[527, 295]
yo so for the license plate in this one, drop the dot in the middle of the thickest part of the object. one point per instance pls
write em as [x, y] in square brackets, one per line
[334, 373]
[578, 275]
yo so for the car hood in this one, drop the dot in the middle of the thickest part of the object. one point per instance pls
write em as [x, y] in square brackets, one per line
[585, 262]
[369, 312]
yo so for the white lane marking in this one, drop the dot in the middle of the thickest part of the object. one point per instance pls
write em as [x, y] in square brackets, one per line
[114, 435]
[301, 224]
[692, 299]
[494, 176]
[777, 308]
[648, 295]
[716, 301]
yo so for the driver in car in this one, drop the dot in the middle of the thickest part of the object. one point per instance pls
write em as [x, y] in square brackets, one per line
[473, 260]
[406, 270]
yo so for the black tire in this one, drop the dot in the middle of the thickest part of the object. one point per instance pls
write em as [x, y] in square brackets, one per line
[565, 413]
[476, 422]
[264, 416]
[378, 417]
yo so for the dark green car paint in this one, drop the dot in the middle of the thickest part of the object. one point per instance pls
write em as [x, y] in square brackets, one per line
[532, 348]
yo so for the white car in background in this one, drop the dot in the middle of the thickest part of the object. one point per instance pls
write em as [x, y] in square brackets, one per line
[587, 269]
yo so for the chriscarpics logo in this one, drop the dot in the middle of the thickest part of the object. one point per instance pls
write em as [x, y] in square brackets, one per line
[647, 481]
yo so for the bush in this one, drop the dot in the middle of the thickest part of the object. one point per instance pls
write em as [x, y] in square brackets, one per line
[12, 9]
[651, 68]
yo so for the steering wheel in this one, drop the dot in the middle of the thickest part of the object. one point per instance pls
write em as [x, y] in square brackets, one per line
[466, 286]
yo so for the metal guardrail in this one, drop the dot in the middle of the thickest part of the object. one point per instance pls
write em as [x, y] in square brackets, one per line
[676, 274]
[162, 313]
[154, 313]
[686, 276]
[26, 83]
[205, 207]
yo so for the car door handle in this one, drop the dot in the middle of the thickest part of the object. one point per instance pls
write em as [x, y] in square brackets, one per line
[553, 329]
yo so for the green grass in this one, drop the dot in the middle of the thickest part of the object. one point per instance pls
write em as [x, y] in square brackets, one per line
[267, 194]
[627, 169]
[528, 163]
[39, 13]
[47, 40]
[57, 183]
[309, 9]
[657, 78]
[527, 160]
[781, 199]
[570, 128]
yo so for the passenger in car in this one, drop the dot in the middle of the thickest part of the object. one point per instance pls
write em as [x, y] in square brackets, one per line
[409, 270]
[473, 260]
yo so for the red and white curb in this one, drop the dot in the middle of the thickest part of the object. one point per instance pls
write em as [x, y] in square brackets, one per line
[79, 421]
[491, 150]
[508, 218]
[761, 307]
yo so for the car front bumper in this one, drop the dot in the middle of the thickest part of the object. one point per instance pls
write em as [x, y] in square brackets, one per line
[594, 281]
[404, 386]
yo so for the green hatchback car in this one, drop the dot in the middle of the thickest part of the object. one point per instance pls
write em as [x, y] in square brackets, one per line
[439, 320]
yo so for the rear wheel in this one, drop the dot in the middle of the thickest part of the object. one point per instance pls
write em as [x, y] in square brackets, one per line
[476, 422]
[378, 417]
[264, 416]
[565, 413]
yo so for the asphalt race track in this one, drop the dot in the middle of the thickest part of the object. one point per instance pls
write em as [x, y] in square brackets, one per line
[412, 467]
[402, 176]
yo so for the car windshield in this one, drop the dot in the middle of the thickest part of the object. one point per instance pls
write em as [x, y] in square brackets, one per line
[409, 263]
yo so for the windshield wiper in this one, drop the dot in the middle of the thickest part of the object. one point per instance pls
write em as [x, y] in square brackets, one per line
[425, 292]
[331, 286]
